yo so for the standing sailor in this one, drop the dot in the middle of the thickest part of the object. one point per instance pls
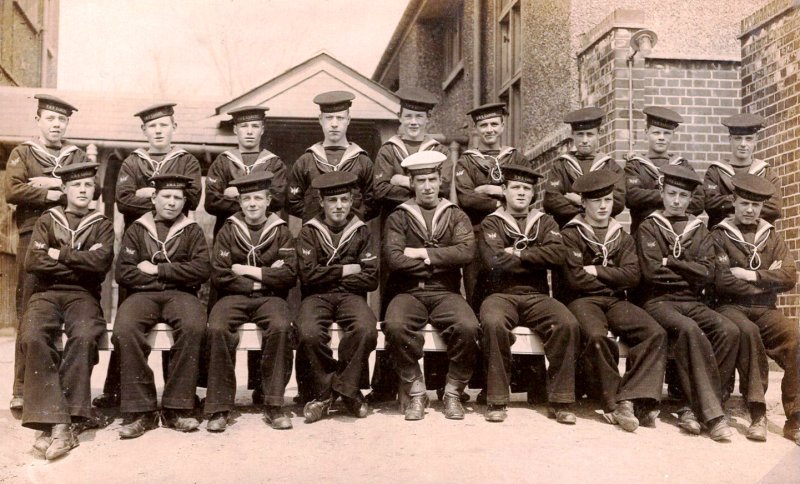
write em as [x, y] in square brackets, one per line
[560, 200]
[31, 185]
[479, 179]
[643, 171]
[743, 129]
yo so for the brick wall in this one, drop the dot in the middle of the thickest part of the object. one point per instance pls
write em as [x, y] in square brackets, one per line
[770, 87]
[703, 92]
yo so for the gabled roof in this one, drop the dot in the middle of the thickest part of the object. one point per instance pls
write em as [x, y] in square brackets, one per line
[108, 117]
[290, 94]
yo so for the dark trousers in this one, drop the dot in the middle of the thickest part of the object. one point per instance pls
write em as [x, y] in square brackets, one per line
[26, 286]
[705, 345]
[270, 314]
[58, 387]
[550, 320]
[351, 312]
[452, 317]
[135, 317]
[766, 332]
[111, 385]
[646, 340]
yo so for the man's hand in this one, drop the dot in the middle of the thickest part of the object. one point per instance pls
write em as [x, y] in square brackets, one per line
[400, 181]
[491, 190]
[416, 253]
[512, 251]
[574, 198]
[53, 253]
[148, 267]
[278, 264]
[744, 274]
[145, 192]
[777, 264]
[350, 269]
[44, 182]
[231, 192]
[96, 247]
[54, 195]
[590, 270]
[247, 271]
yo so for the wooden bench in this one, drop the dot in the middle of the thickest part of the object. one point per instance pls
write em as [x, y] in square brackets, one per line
[162, 339]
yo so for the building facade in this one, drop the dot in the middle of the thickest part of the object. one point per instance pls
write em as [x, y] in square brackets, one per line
[28, 43]
[543, 58]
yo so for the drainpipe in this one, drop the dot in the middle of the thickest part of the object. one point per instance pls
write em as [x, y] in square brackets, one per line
[476, 53]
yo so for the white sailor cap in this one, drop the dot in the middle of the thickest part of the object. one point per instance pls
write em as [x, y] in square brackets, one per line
[423, 162]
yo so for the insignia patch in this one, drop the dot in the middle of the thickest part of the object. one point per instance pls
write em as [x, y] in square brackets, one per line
[129, 251]
[294, 190]
[367, 255]
[652, 244]
[555, 183]
[306, 251]
[39, 245]
[13, 162]
[633, 181]
[462, 230]
[224, 253]
[459, 172]
[723, 259]
[711, 186]
[123, 178]
[491, 235]
[379, 176]
[576, 254]
[212, 180]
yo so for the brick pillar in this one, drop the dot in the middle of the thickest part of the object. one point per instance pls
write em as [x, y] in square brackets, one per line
[770, 85]
[604, 76]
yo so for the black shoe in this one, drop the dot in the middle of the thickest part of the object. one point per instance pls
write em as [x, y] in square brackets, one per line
[141, 423]
[687, 421]
[16, 402]
[453, 409]
[758, 429]
[496, 413]
[415, 408]
[218, 422]
[276, 418]
[317, 409]
[64, 440]
[624, 417]
[357, 406]
[180, 420]
[719, 430]
[258, 397]
[106, 400]
[646, 415]
[562, 414]
[98, 420]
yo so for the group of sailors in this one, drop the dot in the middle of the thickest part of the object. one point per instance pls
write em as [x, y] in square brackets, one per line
[705, 294]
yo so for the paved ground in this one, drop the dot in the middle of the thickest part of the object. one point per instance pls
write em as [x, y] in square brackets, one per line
[528, 447]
